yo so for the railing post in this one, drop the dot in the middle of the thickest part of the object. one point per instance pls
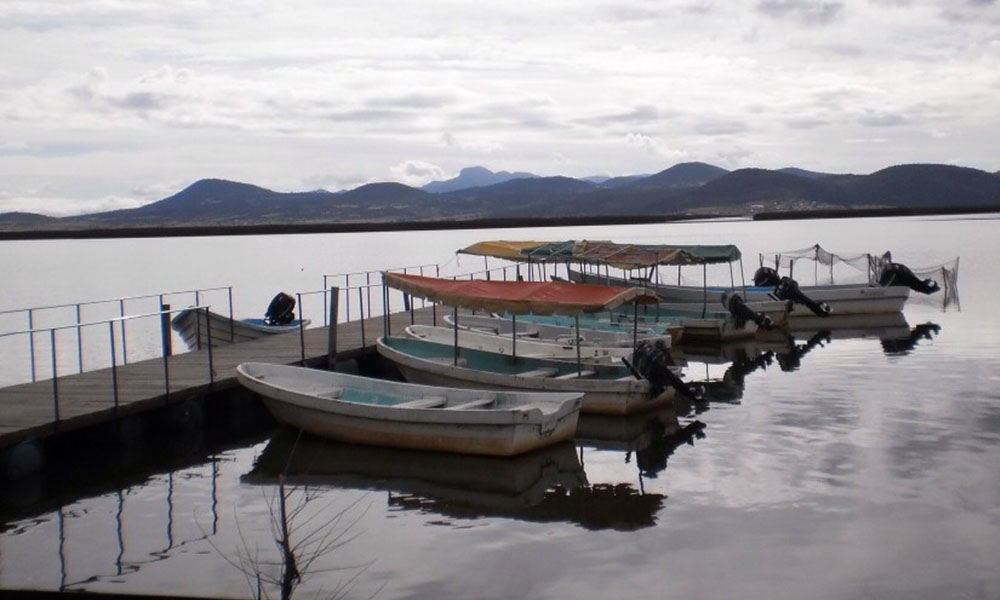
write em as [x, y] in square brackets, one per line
[385, 309]
[31, 341]
[211, 365]
[361, 308]
[55, 374]
[166, 344]
[232, 323]
[79, 338]
[368, 290]
[347, 307]
[332, 339]
[325, 302]
[121, 313]
[302, 332]
[197, 320]
[114, 360]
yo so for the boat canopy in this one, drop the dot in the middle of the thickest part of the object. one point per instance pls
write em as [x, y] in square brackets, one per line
[519, 297]
[622, 256]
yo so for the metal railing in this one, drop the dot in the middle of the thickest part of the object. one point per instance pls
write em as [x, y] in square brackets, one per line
[164, 318]
[33, 312]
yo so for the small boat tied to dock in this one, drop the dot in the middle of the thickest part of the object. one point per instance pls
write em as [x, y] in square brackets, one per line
[364, 410]
[609, 388]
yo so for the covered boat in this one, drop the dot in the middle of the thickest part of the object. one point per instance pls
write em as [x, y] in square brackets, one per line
[361, 410]
[608, 388]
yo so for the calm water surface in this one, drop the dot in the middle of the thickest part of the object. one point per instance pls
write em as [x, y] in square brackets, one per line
[857, 465]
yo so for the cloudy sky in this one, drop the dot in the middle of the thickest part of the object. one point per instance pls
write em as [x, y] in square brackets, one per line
[116, 103]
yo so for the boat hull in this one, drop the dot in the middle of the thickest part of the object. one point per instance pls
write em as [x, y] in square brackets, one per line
[842, 299]
[619, 395]
[519, 424]
[508, 345]
[195, 329]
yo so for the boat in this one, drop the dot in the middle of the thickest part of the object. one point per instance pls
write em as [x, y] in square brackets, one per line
[198, 327]
[842, 299]
[507, 345]
[362, 410]
[566, 333]
[648, 259]
[608, 388]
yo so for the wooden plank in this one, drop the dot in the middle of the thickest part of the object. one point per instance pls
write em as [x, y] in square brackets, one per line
[84, 399]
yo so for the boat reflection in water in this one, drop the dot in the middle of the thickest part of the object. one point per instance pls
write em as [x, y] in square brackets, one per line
[545, 485]
[650, 437]
[784, 349]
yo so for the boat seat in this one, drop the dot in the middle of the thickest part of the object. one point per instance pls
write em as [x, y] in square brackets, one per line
[574, 374]
[477, 403]
[627, 378]
[425, 402]
[332, 393]
[542, 372]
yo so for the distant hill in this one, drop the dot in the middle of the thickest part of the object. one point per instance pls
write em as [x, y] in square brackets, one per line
[682, 190]
[683, 175]
[803, 173]
[471, 177]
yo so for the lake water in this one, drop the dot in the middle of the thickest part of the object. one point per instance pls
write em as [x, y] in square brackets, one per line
[857, 467]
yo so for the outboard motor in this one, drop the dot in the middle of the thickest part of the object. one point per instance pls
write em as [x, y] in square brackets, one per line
[649, 361]
[901, 275]
[281, 310]
[766, 277]
[788, 289]
[743, 313]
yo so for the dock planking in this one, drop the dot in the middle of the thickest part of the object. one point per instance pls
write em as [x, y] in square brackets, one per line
[28, 411]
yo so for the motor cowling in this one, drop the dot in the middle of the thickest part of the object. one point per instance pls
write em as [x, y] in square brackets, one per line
[649, 361]
[900, 275]
[281, 310]
[788, 289]
[742, 313]
[766, 277]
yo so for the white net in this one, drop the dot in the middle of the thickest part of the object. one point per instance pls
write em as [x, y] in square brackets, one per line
[864, 266]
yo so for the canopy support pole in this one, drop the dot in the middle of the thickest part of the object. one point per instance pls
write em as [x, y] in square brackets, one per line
[704, 284]
[455, 319]
[579, 366]
[743, 279]
[513, 337]
[635, 322]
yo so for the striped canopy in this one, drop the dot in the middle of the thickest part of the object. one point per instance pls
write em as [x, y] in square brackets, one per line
[623, 256]
[519, 297]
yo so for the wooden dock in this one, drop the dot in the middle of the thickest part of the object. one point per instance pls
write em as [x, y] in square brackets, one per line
[30, 411]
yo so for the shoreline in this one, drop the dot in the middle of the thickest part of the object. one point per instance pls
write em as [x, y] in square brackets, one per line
[487, 223]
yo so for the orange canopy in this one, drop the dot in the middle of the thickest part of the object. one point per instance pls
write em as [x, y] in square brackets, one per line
[519, 297]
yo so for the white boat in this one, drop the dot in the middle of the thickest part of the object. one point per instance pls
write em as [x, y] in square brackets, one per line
[842, 299]
[196, 328]
[361, 410]
[606, 388]
[519, 346]
[563, 334]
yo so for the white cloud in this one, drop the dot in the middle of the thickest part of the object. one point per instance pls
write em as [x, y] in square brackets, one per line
[104, 96]
[416, 173]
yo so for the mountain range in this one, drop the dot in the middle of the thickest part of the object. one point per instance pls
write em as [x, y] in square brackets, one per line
[686, 189]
